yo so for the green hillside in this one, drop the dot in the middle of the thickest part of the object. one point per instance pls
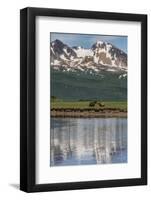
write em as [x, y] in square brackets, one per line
[70, 86]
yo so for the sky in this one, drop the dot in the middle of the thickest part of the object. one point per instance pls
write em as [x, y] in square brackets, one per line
[87, 40]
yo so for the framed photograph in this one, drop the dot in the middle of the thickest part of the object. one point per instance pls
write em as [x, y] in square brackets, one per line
[83, 99]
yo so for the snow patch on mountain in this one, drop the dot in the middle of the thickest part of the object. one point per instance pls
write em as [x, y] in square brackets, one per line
[122, 76]
[81, 52]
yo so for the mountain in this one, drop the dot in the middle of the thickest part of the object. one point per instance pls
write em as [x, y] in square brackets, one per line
[60, 51]
[102, 56]
[96, 73]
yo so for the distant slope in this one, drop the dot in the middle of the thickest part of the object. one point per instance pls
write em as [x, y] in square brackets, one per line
[71, 86]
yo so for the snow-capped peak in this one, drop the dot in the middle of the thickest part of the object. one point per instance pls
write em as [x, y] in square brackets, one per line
[99, 43]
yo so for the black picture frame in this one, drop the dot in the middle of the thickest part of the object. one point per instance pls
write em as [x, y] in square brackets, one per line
[28, 99]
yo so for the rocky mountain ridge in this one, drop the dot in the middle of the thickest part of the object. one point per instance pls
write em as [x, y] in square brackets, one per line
[102, 56]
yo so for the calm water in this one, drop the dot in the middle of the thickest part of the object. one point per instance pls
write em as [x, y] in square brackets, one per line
[78, 141]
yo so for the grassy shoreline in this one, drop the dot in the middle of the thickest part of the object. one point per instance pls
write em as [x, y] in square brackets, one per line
[84, 110]
[85, 104]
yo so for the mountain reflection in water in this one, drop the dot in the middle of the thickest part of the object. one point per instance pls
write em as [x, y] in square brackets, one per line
[80, 141]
